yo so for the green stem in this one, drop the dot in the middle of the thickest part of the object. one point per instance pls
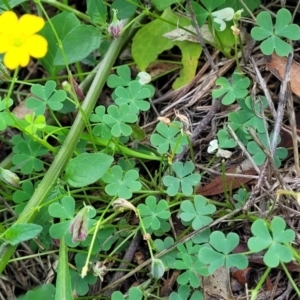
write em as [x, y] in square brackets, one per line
[294, 285]
[261, 281]
[66, 151]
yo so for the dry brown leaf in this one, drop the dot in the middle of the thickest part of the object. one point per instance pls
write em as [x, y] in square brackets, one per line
[277, 65]
[217, 285]
[160, 68]
[21, 110]
[215, 187]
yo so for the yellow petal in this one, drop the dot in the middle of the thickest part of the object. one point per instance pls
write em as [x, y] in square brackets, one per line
[16, 57]
[8, 22]
[30, 24]
[36, 46]
[4, 44]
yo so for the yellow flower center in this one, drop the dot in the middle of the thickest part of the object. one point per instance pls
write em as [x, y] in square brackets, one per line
[17, 41]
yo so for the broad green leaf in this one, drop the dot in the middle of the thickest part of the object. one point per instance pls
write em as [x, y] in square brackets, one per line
[78, 44]
[21, 232]
[63, 23]
[97, 11]
[87, 168]
[125, 8]
[161, 5]
[45, 291]
[149, 42]
[9, 4]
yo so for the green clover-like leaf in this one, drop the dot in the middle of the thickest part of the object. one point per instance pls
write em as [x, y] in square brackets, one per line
[5, 119]
[169, 258]
[35, 123]
[134, 293]
[65, 208]
[277, 250]
[271, 35]
[225, 140]
[189, 248]
[193, 270]
[121, 184]
[117, 117]
[237, 90]
[169, 137]
[202, 13]
[184, 179]
[27, 191]
[258, 154]
[152, 212]
[197, 212]
[101, 129]
[18, 233]
[45, 96]
[134, 96]
[122, 79]
[183, 293]
[248, 115]
[26, 152]
[219, 255]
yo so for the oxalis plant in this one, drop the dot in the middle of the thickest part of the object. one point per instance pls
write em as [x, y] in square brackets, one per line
[78, 188]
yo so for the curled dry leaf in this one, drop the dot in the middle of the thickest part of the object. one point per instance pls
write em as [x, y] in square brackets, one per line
[277, 66]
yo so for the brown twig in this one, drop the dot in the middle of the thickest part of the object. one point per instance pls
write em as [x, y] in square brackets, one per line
[123, 265]
[199, 128]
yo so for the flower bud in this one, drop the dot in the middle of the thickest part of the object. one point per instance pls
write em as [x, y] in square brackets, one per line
[144, 78]
[79, 225]
[99, 269]
[116, 26]
[157, 268]
[165, 120]
[120, 204]
[9, 177]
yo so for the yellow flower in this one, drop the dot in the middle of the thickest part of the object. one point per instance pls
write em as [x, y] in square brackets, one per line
[18, 39]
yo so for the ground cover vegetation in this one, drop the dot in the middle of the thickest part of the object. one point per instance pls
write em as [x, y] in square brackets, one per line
[149, 149]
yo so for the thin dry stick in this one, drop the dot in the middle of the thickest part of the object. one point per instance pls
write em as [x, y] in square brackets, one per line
[292, 119]
[241, 145]
[268, 154]
[265, 89]
[257, 187]
[196, 79]
[199, 128]
[201, 39]
[281, 104]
